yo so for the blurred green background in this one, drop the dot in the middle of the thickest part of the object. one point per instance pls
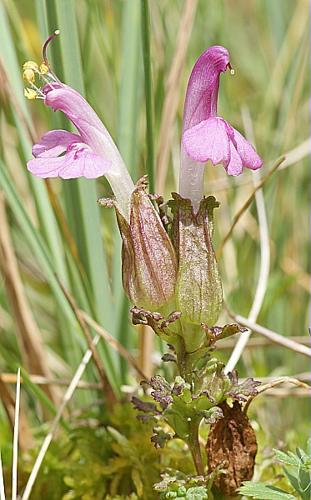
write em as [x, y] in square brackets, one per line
[57, 227]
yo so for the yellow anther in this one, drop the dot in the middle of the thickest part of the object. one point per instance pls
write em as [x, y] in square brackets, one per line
[43, 69]
[30, 65]
[232, 71]
[29, 75]
[30, 94]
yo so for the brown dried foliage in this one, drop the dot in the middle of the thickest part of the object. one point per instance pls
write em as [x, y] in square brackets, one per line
[232, 445]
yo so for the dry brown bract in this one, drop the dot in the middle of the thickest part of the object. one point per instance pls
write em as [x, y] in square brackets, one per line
[232, 445]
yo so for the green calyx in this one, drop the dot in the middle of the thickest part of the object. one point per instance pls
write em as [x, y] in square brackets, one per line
[198, 290]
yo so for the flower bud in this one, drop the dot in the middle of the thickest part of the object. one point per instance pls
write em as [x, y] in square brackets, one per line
[198, 289]
[149, 266]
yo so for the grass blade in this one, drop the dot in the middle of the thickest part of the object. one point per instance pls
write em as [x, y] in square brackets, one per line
[130, 84]
[145, 29]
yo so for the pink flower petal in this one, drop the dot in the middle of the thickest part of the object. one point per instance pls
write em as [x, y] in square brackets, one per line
[247, 152]
[208, 141]
[235, 166]
[79, 161]
[54, 143]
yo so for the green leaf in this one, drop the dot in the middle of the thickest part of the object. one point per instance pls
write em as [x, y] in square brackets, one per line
[262, 491]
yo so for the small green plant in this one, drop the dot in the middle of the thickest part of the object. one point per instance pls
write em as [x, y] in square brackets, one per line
[297, 473]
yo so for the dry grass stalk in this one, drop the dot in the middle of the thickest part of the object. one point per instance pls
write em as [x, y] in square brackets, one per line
[261, 342]
[10, 378]
[276, 382]
[272, 336]
[285, 393]
[28, 333]
[170, 106]
[282, 380]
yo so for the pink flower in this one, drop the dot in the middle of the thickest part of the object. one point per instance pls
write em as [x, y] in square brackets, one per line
[89, 153]
[205, 135]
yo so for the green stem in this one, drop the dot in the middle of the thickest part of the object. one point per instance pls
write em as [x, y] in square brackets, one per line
[194, 446]
[145, 27]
